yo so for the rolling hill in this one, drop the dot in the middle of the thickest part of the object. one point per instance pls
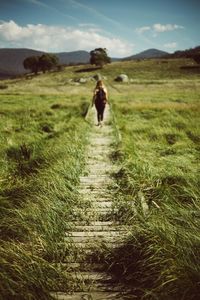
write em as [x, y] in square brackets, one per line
[188, 53]
[150, 53]
[11, 60]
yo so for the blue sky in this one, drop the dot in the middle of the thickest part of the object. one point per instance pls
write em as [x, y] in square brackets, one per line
[123, 27]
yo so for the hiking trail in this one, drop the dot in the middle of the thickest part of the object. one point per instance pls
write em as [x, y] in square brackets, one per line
[98, 229]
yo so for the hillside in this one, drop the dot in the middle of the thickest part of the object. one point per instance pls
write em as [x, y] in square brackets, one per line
[11, 60]
[74, 57]
[150, 53]
[188, 53]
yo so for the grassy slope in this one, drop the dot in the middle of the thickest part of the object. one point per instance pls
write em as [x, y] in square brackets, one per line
[159, 154]
[43, 138]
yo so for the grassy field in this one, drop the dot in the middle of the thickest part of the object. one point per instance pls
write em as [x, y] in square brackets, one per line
[43, 140]
[42, 147]
[158, 188]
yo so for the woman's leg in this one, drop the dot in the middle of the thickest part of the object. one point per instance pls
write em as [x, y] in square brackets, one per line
[102, 112]
[98, 113]
[98, 116]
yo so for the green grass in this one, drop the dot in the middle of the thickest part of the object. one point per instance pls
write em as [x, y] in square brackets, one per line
[43, 138]
[158, 190]
[43, 141]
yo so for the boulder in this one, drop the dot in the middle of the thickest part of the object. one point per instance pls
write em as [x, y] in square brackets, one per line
[122, 78]
[80, 80]
[97, 77]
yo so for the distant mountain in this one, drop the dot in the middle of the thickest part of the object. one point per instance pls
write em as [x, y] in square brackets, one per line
[150, 53]
[11, 60]
[74, 57]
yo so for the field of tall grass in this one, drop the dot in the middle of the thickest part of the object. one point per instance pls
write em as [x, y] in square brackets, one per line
[158, 189]
[43, 138]
[42, 147]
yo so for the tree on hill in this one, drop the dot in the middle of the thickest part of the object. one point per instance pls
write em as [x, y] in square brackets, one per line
[47, 62]
[188, 53]
[43, 63]
[32, 63]
[99, 57]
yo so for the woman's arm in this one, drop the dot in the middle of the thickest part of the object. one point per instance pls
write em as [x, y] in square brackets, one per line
[94, 96]
[106, 93]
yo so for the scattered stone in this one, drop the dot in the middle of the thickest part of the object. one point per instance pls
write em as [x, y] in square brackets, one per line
[122, 78]
[97, 77]
[80, 80]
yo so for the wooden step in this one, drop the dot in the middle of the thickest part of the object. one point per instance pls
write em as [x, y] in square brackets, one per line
[90, 186]
[98, 179]
[82, 266]
[103, 204]
[100, 150]
[91, 276]
[93, 176]
[93, 223]
[90, 246]
[97, 197]
[119, 228]
[94, 234]
[100, 141]
[98, 192]
[103, 295]
[100, 166]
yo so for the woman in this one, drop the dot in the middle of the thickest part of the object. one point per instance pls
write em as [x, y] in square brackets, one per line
[100, 99]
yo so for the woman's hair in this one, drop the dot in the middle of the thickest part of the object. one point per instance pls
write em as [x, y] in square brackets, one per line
[99, 83]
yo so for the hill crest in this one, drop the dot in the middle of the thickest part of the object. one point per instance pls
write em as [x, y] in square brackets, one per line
[149, 53]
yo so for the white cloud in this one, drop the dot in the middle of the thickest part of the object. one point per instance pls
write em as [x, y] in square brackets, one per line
[60, 38]
[141, 30]
[158, 28]
[171, 45]
[168, 27]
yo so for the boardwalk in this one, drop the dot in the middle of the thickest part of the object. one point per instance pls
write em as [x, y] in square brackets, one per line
[91, 281]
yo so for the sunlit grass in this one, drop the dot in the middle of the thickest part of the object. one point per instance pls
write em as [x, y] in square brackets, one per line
[43, 140]
[158, 194]
[42, 154]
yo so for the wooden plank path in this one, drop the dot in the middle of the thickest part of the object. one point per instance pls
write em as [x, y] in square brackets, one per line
[90, 279]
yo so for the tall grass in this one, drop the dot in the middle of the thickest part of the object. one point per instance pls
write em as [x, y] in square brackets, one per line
[43, 141]
[42, 145]
[158, 196]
